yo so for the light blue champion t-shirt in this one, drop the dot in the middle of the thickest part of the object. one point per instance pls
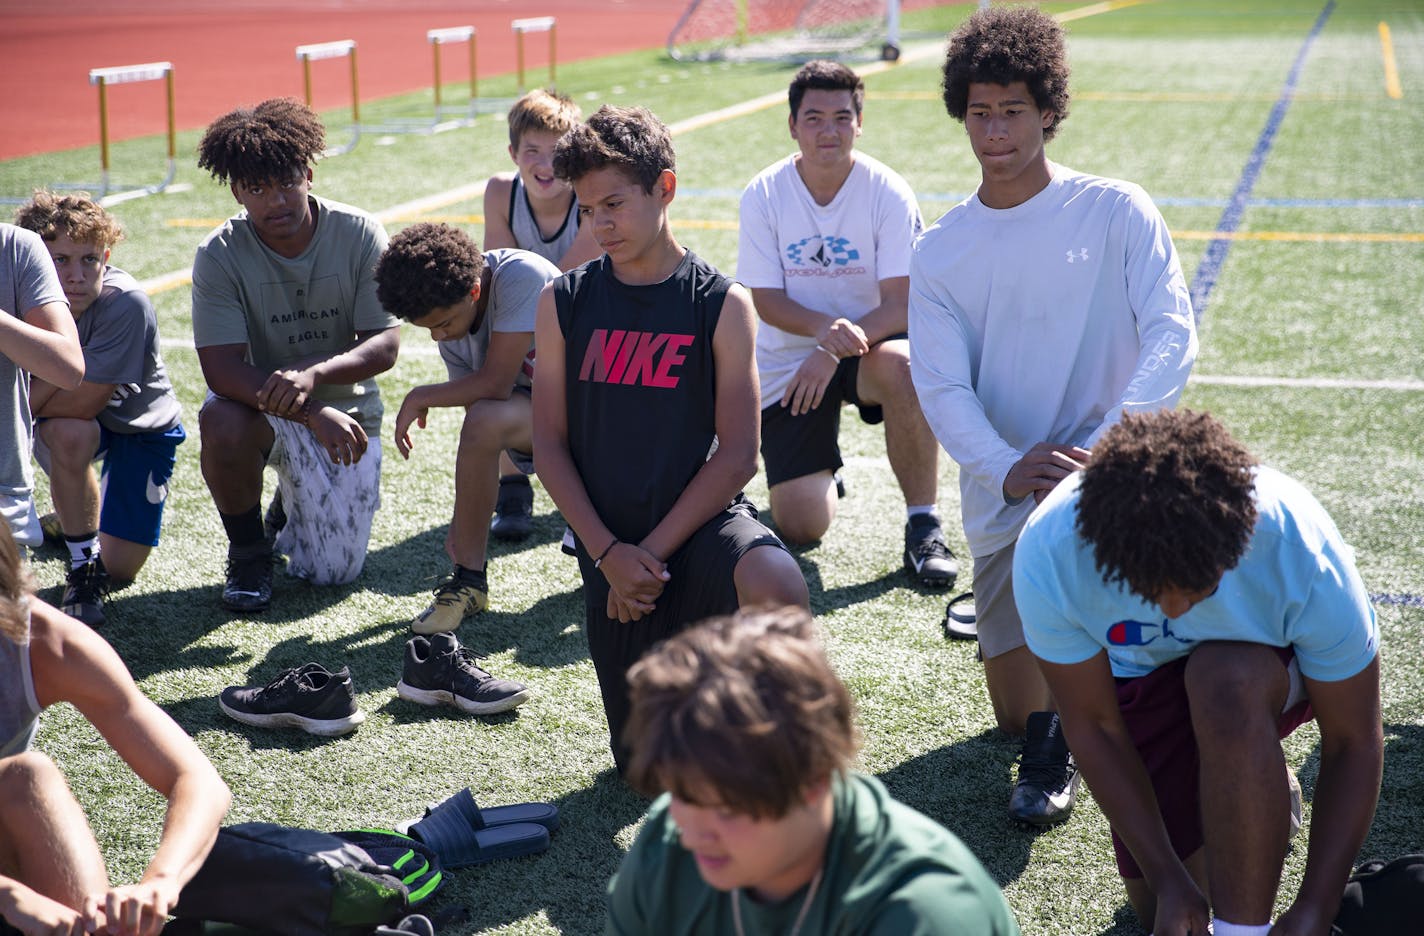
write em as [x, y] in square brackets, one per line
[1295, 586]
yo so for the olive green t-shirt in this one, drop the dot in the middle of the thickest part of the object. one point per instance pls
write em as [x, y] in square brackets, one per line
[889, 871]
[285, 310]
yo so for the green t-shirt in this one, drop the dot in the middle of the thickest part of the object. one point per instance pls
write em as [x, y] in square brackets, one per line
[889, 871]
[285, 310]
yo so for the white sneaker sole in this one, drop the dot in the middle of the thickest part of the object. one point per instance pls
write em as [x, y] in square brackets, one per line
[445, 697]
[326, 728]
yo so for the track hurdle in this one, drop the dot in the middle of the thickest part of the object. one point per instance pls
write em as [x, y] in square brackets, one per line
[103, 189]
[452, 35]
[446, 116]
[341, 48]
[534, 24]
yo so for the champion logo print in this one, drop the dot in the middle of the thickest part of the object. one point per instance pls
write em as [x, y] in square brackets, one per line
[1079, 255]
[632, 358]
[1141, 633]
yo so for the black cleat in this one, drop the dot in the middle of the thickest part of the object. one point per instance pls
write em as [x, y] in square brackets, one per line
[1048, 777]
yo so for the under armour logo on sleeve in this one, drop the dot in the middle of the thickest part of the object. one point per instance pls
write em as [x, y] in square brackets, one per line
[1080, 254]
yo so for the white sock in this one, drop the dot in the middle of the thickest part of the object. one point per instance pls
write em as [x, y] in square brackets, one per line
[1220, 927]
[920, 509]
[82, 550]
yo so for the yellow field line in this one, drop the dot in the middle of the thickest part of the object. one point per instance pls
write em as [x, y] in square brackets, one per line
[1093, 9]
[1357, 237]
[1391, 70]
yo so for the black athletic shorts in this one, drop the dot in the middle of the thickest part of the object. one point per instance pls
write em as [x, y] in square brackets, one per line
[795, 446]
[701, 586]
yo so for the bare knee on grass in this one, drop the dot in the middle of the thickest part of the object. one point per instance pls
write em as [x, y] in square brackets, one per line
[72, 442]
[769, 577]
[804, 507]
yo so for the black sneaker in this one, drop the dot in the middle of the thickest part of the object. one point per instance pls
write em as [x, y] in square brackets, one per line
[514, 510]
[438, 671]
[84, 592]
[249, 578]
[307, 697]
[927, 556]
[1048, 777]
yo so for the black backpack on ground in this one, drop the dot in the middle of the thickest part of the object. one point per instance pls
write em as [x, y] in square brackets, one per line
[275, 879]
[1383, 898]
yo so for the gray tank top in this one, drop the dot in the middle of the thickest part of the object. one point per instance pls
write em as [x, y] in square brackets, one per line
[19, 709]
[526, 229]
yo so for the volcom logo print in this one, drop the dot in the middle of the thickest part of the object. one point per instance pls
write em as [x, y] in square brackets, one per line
[634, 358]
[822, 252]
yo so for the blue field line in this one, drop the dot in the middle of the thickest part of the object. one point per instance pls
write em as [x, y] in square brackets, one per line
[1217, 249]
[1408, 601]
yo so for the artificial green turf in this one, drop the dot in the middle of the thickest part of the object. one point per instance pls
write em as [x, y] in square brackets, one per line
[1171, 94]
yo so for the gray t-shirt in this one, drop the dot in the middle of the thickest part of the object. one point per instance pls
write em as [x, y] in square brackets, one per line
[119, 335]
[27, 281]
[516, 279]
[284, 310]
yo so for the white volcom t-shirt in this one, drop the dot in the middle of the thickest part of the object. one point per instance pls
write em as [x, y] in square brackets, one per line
[829, 258]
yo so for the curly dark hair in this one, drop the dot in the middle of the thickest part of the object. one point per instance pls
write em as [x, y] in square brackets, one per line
[270, 142]
[78, 217]
[427, 266]
[1001, 45]
[1167, 502]
[631, 139]
[825, 75]
[745, 709]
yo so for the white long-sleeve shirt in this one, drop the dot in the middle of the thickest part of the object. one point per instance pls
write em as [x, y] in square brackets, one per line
[1043, 322]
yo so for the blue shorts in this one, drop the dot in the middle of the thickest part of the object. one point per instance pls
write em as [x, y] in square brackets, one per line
[133, 484]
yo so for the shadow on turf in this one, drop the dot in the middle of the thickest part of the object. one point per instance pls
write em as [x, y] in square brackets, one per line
[965, 787]
[824, 599]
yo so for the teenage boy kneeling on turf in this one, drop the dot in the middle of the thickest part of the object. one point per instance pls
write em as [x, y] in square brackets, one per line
[290, 337]
[52, 877]
[480, 308]
[646, 413]
[1042, 308]
[124, 412]
[534, 210]
[764, 829]
[1190, 607]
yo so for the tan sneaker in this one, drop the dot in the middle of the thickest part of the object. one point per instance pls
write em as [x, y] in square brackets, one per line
[458, 598]
[53, 532]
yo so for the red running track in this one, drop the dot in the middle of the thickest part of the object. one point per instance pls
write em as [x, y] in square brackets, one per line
[226, 53]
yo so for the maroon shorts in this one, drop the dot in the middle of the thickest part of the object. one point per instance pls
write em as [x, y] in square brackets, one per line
[1158, 718]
